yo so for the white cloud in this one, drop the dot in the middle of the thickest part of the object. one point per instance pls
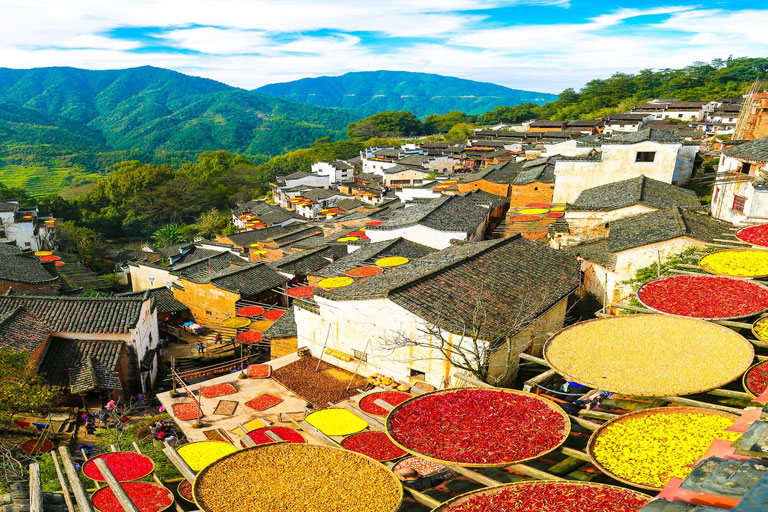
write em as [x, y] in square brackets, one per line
[252, 42]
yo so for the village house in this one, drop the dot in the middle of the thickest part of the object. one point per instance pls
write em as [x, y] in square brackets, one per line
[545, 125]
[521, 182]
[245, 240]
[721, 121]
[521, 287]
[588, 217]
[306, 179]
[435, 222]
[657, 154]
[438, 164]
[586, 126]
[212, 296]
[258, 212]
[626, 123]
[424, 190]
[400, 175]
[25, 227]
[310, 203]
[297, 266]
[337, 171]
[638, 241]
[84, 344]
[281, 245]
[282, 335]
[24, 273]
[740, 193]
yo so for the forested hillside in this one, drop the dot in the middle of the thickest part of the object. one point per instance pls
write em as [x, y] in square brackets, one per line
[60, 127]
[368, 92]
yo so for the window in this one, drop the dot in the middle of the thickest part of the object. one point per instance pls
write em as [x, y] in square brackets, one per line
[680, 116]
[645, 156]
[738, 203]
[416, 373]
[362, 356]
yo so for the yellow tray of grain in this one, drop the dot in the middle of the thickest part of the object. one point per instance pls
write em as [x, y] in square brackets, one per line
[649, 355]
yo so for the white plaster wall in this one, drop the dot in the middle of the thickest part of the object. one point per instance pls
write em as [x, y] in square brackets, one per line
[408, 194]
[313, 180]
[618, 163]
[411, 175]
[683, 115]
[376, 167]
[630, 261]
[24, 234]
[145, 278]
[598, 279]
[567, 148]
[419, 234]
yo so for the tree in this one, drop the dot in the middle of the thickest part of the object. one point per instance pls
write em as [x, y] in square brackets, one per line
[77, 239]
[211, 223]
[459, 133]
[478, 341]
[393, 123]
[168, 235]
[21, 389]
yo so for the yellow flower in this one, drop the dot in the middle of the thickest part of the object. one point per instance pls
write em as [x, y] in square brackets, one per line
[736, 263]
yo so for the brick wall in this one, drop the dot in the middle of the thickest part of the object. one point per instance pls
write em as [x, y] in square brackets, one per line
[500, 189]
[47, 288]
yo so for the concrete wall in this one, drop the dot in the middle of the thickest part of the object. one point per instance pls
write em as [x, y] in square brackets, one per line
[617, 164]
[144, 277]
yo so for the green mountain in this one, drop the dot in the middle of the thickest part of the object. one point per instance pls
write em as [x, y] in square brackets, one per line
[369, 92]
[72, 124]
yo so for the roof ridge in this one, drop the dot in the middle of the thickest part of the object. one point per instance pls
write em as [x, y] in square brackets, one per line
[68, 298]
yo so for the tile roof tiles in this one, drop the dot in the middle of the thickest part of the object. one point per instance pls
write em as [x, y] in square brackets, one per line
[639, 190]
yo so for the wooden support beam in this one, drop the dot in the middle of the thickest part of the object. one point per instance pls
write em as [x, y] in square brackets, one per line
[35, 488]
[695, 403]
[735, 241]
[729, 393]
[363, 416]
[422, 498]
[62, 482]
[533, 473]
[274, 437]
[530, 383]
[600, 415]
[470, 380]
[81, 497]
[180, 463]
[474, 476]
[533, 359]
[683, 272]
[576, 454]
[247, 442]
[589, 425]
[114, 485]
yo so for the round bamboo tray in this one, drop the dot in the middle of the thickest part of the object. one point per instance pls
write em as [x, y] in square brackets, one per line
[189, 452]
[181, 495]
[735, 317]
[344, 474]
[565, 431]
[616, 380]
[107, 489]
[647, 412]
[749, 391]
[112, 453]
[462, 498]
[763, 318]
[708, 268]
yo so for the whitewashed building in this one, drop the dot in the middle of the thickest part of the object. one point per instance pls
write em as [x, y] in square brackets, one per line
[337, 171]
[740, 193]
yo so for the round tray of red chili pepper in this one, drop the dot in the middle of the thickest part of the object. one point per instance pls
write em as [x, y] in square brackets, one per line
[376, 445]
[547, 497]
[147, 497]
[705, 297]
[289, 435]
[126, 466]
[755, 235]
[755, 379]
[391, 397]
[478, 427]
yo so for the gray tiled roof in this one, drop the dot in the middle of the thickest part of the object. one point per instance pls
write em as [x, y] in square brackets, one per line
[414, 160]
[504, 172]
[23, 268]
[247, 280]
[9, 248]
[639, 190]
[162, 299]
[540, 169]
[368, 253]
[662, 225]
[317, 194]
[79, 314]
[284, 327]
[349, 204]
[5, 206]
[21, 330]
[246, 238]
[510, 278]
[219, 261]
[464, 213]
[644, 135]
[294, 236]
[87, 364]
[754, 150]
[196, 254]
[594, 251]
[403, 168]
[303, 262]
[297, 175]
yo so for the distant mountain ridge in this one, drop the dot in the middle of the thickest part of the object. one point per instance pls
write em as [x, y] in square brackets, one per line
[154, 109]
[368, 92]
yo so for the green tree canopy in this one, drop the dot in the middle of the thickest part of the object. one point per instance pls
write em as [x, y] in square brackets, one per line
[392, 123]
[21, 389]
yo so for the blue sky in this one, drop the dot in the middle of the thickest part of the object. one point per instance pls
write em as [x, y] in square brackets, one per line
[544, 45]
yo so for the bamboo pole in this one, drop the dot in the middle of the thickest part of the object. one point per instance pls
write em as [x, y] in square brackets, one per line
[695, 403]
[180, 463]
[363, 416]
[117, 489]
[274, 437]
[469, 380]
[589, 425]
[576, 454]
[156, 478]
[533, 473]
[474, 476]
[35, 488]
[81, 497]
[534, 359]
[62, 482]
[359, 362]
